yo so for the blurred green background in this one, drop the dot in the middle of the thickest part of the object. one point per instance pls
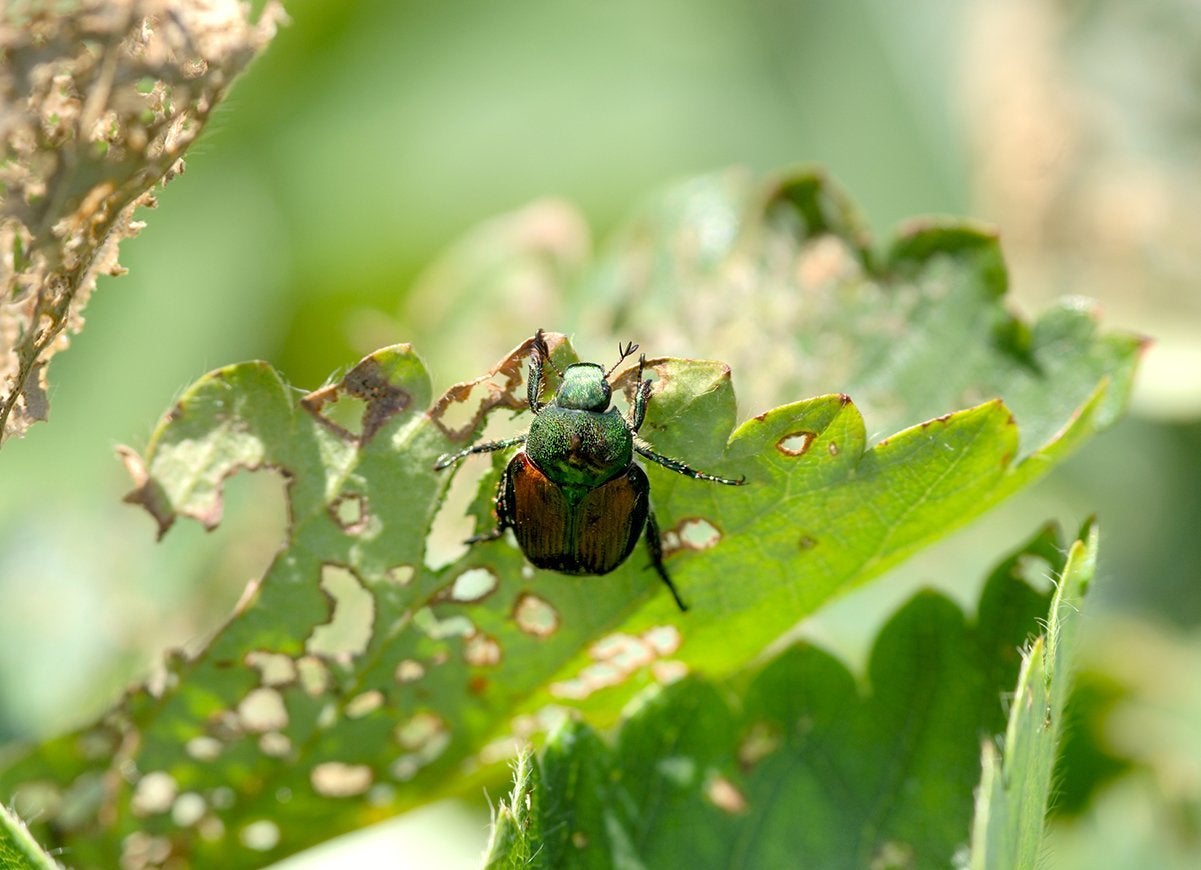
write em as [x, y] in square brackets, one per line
[372, 135]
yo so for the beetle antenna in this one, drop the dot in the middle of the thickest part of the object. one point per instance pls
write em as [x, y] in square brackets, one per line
[625, 352]
[543, 353]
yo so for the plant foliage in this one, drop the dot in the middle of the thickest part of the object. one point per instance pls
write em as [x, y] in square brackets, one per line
[367, 672]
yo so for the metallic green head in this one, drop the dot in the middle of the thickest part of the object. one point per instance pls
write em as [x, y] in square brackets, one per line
[584, 388]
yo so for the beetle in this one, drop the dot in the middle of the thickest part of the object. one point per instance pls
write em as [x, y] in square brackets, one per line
[574, 497]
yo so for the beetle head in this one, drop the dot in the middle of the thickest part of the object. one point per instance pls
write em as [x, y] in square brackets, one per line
[584, 388]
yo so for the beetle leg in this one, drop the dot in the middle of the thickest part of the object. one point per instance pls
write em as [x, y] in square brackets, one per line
[642, 395]
[448, 459]
[655, 544]
[680, 468]
[538, 352]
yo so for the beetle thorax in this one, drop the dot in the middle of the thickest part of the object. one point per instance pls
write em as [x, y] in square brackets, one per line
[579, 448]
[584, 388]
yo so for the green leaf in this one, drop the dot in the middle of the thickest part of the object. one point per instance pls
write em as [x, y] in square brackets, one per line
[374, 668]
[18, 849]
[516, 839]
[1016, 784]
[802, 764]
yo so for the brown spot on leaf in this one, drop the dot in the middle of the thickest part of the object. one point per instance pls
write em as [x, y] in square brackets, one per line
[795, 443]
[833, 448]
[368, 383]
[807, 542]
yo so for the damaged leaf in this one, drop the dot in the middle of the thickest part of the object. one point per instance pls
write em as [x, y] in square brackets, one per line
[378, 664]
[813, 766]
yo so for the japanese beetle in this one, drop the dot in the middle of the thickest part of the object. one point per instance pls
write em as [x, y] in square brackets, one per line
[573, 495]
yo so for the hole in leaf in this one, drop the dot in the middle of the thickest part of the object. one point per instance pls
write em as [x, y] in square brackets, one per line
[473, 585]
[401, 575]
[623, 652]
[336, 779]
[724, 795]
[409, 671]
[140, 849]
[360, 404]
[275, 744]
[795, 443]
[188, 809]
[419, 730]
[263, 710]
[481, 650]
[697, 533]
[155, 792]
[593, 677]
[261, 836]
[367, 702]
[313, 675]
[342, 413]
[833, 448]
[275, 669]
[535, 616]
[455, 625]
[617, 657]
[663, 639]
[666, 672]
[353, 611]
[426, 736]
[204, 748]
[350, 512]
